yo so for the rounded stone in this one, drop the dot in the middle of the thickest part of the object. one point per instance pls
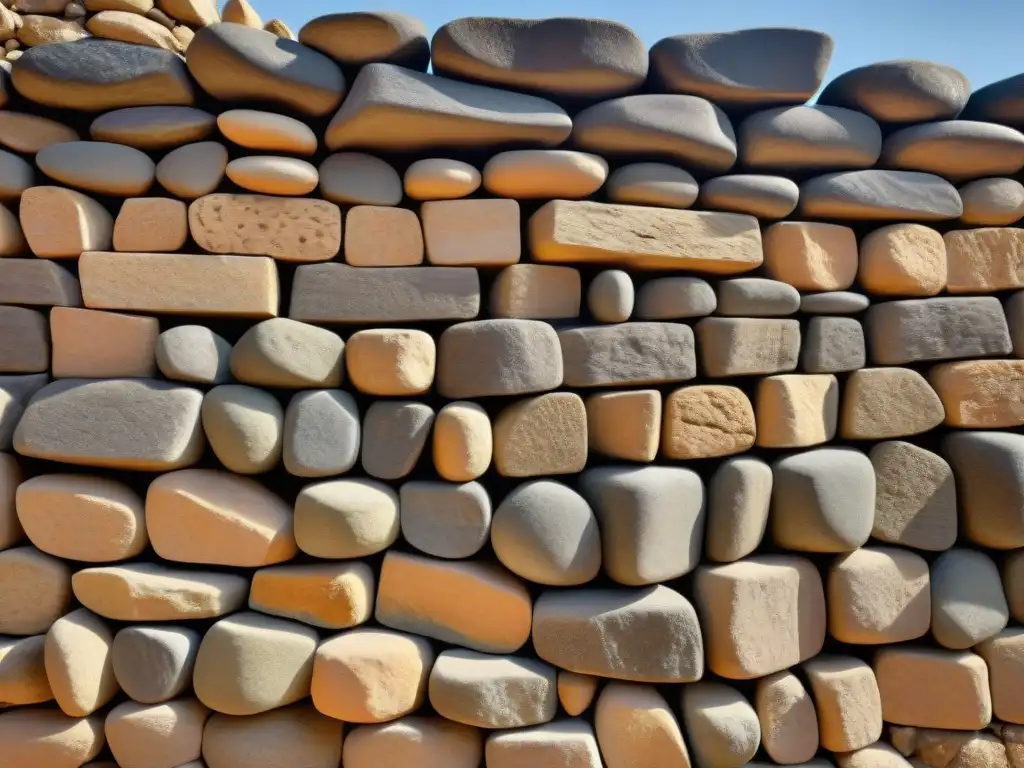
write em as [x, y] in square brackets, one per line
[340, 519]
[193, 353]
[321, 433]
[414, 740]
[153, 128]
[879, 755]
[674, 298]
[756, 297]
[394, 436]
[847, 700]
[462, 442]
[23, 671]
[543, 435]
[903, 260]
[723, 728]
[808, 137]
[767, 197]
[38, 737]
[707, 421]
[992, 202]
[244, 427]
[989, 470]
[79, 664]
[441, 178]
[295, 735]
[796, 410]
[739, 495]
[635, 726]
[956, 149]
[355, 178]
[356, 38]
[193, 170]
[267, 131]
[657, 184]
[881, 403]
[154, 735]
[550, 745]
[789, 724]
[27, 133]
[36, 590]
[273, 175]
[446, 520]
[154, 664]
[576, 692]
[17, 175]
[98, 166]
[544, 173]
[968, 603]
[329, 595]
[385, 362]
[833, 303]
[610, 296]
[811, 256]
[281, 352]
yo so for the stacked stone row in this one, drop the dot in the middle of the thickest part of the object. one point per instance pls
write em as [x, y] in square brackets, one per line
[410, 439]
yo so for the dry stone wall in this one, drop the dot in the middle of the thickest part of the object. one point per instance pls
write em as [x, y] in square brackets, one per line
[571, 405]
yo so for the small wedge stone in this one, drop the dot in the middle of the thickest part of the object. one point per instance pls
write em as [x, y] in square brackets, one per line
[795, 411]
[286, 353]
[244, 427]
[473, 233]
[379, 236]
[152, 224]
[61, 223]
[342, 519]
[739, 346]
[462, 442]
[980, 393]
[154, 664]
[36, 589]
[102, 345]
[811, 256]
[536, 292]
[24, 340]
[193, 353]
[49, 737]
[723, 728]
[321, 433]
[903, 260]
[441, 179]
[739, 498]
[625, 425]
[576, 692]
[154, 735]
[297, 734]
[848, 702]
[193, 170]
[789, 724]
[332, 595]
[635, 725]
[881, 403]
[391, 362]
[543, 435]
[394, 436]
[968, 603]
[707, 421]
[430, 742]
[23, 671]
[79, 664]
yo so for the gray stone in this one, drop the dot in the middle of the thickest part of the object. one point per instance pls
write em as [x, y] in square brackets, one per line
[610, 296]
[24, 341]
[434, 111]
[1015, 320]
[338, 293]
[153, 128]
[687, 129]
[193, 353]
[414, 740]
[15, 392]
[739, 346]
[968, 604]
[193, 170]
[722, 728]
[757, 297]
[154, 664]
[546, 532]
[95, 75]
[358, 38]
[321, 433]
[989, 470]
[343, 519]
[999, 102]
[647, 635]
[38, 282]
[833, 345]
[900, 91]
[745, 69]
[98, 166]
[823, 500]
[233, 62]
[394, 435]
[767, 197]
[658, 184]
[992, 202]
[956, 149]
[808, 137]
[739, 495]
[487, 691]
[673, 298]
[244, 427]
[628, 354]
[16, 176]
[651, 521]
[498, 357]
[834, 303]
[296, 735]
[915, 497]
[446, 520]
[359, 179]
[880, 195]
[916, 330]
[281, 352]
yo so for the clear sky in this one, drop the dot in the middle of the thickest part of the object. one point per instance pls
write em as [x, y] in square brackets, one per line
[984, 39]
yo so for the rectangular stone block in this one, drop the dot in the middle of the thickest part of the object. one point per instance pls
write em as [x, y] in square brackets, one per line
[382, 236]
[740, 346]
[154, 224]
[24, 341]
[536, 292]
[102, 345]
[984, 260]
[180, 283]
[62, 223]
[471, 233]
[985, 394]
[645, 238]
[833, 345]
[37, 282]
[629, 353]
[338, 293]
[15, 392]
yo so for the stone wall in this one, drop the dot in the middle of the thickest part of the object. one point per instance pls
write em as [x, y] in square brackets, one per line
[574, 405]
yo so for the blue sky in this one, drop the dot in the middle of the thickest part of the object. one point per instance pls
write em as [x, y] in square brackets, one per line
[981, 38]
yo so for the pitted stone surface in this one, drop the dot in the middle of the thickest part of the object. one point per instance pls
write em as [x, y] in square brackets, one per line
[707, 421]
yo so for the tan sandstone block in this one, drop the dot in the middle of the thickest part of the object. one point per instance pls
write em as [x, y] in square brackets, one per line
[35, 590]
[383, 236]
[789, 724]
[102, 345]
[61, 223]
[795, 411]
[480, 233]
[385, 361]
[329, 595]
[933, 688]
[79, 663]
[150, 224]
[881, 403]
[1004, 655]
[45, 737]
[984, 260]
[156, 735]
[536, 292]
[544, 435]
[576, 691]
[811, 256]
[707, 421]
[903, 260]
[636, 727]
[462, 443]
[847, 700]
[292, 736]
[179, 283]
[23, 671]
[625, 425]
[987, 394]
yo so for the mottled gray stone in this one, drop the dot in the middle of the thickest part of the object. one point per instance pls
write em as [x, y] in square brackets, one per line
[900, 91]
[394, 435]
[880, 195]
[739, 495]
[833, 345]
[193, 353]
[321, 433]
[739, 346]
[673, 298]
[956, 149]
[281, 352]
[15, 392]
[915, 497]
[38, 282]
[1015, 321]
[989, 470]
[629, 353]
[992, 202]
[834, 303]
[545, 746]
[968, 604]
[757, 297]
[356, 178]
[721, 726]
[154, 664]
[767, 197]
[244, 427]
[999, 102]
[24, 340]
[916, 330]
[448, 520]
[610, 296]
[357, 38]
[657, 184]
[808, 137]
[651, 520]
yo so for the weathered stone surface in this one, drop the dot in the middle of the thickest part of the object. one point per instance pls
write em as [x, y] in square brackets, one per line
[339, 293]
[956, 149]
[796, 411]
[36, 30]
[880, 195]
[475, 605]
[808, 138]
[834, 303]
[24, 340]
[811, 256]
[36, 282]
[179, 283]
[881, 403]
[149, 224]
[232, 62]
[193, 353]
[915, 500]
[394, 436]
[321, 433]
[49, 737]
[332, 595]
[358, 38]
[234, 647]
[193, 170]
[544, 173]
[756, 297]
[91, 344]
[462, 443]
[739, 497]
[902, 91]
[627, 354]
[903, 260]
[23, 671]
[968, 604]
[576, 692]
[98, 166]
[154, 664]
[438, 112]
[848, 702]
[981, 393]
[767, 197]
[430, 742]
[625, 425]
[535, 292]
[36, 589]
[985, 260]
[657, 184]
[610, 296]
[989, 470]
[273, 175]
[722, 726]
[244, 427]
[296, 734]
[342, 519]
[544, 435]
[131, 27]
[391, 362]
[381, 236]
[15, 392]
[544, 746]
[256, 129]
[879, 755]
[789, 724]
[27, 134]
[739, 346]
[356, 178]
[635, 725]
[78, 663]
[286, 353]
[707, 421]
[1002, 654]
[146, 735]
[474, 233]
[153, 128]
[989, 202]
[62, 223]
[439, 178]
[445, 519]
[958, 748]
[671, 298]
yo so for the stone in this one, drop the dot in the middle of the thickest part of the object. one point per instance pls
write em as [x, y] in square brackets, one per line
[985, 260]
[27, 134]
[446, 520]
[436, 112]
[358, 38]
[462, 442]
[234, 646]
[130, 27]
[44, 30]
[627, 354]
[98, 166]
[834, 303]
[739, 495]
[648, 635]
[576, 692]
[989, 475]
[1002, 654]
[86, 422]
[197, 13]
[740, 346]
[723, 728]
[487, 691]
[429, 742]
[987, 202]
[808, 137]
[915, 502]
[24, 341]
[903, 260]
[149, 735]
[91, 344]
[555, 550]
[61, 223]
[476, 605]
[10, 478]
[244, 427]
[149, 224]
[789, 724]
[286, 353]
[880, 195]
[474, 233]
[356, 178]
[902, 91]
[152, 128]
[543, 435]
[394, 436]
[656, 184]
[23, 672]
[343, 519]
[745, 69]
[536, 292]
[956, 149]
[767, 197]
[296, 734]
[273, 175]
[1015, 319]
[49, 737]
[796, 411]
[78, 663]
[624, 425]
[544, 174]
[193, 170]
[635, 725]
[149, 592]
[12, 239]
[439, 178]
[610, 296]
[18, 176]
[267, 131]
[933, 688]
[214, 517]
[391, 362]
[756, 297]
[957, 748]
[811, 256]
[36, 589]
[707, 421]
[321, 433]
[15, 391]
[879, 755]
[980, 393]
[193, 353]
[673, 298]
[234, 62]
[339, 293]
[968, 604]
[179, 283]
[331, 595]
[35, 282]
[847, 700]
[78, 517]
[379, 236]
[997, 102]
[154, 664]
[550, 745]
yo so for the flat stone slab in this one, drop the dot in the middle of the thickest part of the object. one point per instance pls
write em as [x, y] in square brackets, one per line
[153, 128]
[956, 149]
[628, 354]
[38, 282]
[903, 91]
[806, 137]
[880, 195]
[358, 38]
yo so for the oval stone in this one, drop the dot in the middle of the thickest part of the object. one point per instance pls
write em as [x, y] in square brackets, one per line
[359, 179]
[193, 170]
[357, 38]
[992, 202]
[267, 131]
[767, 197]
[98, 166]
[544, 173]
[152, 128]
[273, 175]
[658, 184]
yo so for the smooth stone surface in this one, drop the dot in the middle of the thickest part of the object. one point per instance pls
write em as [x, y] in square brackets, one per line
[193, 353]
[610, 296]
[756, 297]
[10, 478]
[381, 236]
[992, 202]
[634, 725]
[24, 341]
[39, 282]
[273, 175]
[430, 742]
[79, 664]
[90, 344]
[298, 733]
[150, 224]
[625, 425]
[789, 723]
[193, 170]
[23, 671]
[446, 520]
[27, 133]
[674, 298]
[834, 303]
[657, 184]
[394, 436]
[281, 352]
[130, 27]
[902, 91]
[385, 362]
[881, 403]
[723, 728]
[36, 589]
[915, 500]
[267, 131]
[767, 197]
[441, 179]
[544, 746]
[880, 195]
[49, 737]
[956, 149]
[141, 735]
[154, 664]
[811, 256]
[244, 427]
[806, 137]
[968, 603]
[475, 233]
[359, 179]
[462, 443]
[358, 38]
[344, 519]
[989, 471]
[15, 392]
[903, 260]
[544, 173]
[739, 496]
[627, 354]
[331, 596]
[18, 175]
[321, 433]
[153, 128]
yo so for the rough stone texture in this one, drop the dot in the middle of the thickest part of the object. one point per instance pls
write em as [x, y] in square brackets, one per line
[576, 692]
[321, 433]
[193, 170]
[24, 340]
[880, 195]
[98, 166]
[985, 260]
[811, 256]
[902, 91]
[281, 352]
[446, 520]
[834, 303]
[1002, 654]
[671, 298]
[440, 178]
[391, 362]
[989, 470]
[881, 403]
[739, 497]
[49, 737]
[903, 260]
[627, 354]
[145, 735]
[379, 236]
[15, 392]
[356, 178]
[958, 749]
[462, 442]
[154, 664]
[544, 746]
[625, 425]
[100, 345]
[332, 596]
[23, 671]
[740, 346]
[244, 427]
[63, 223]
[36, 589]
[848, 702]
[915, 500]
[968, 604]
[657, 184]
[27, 133]
[795, 411]
[394, 436]
[149, 224]
[756, 297]
[273, 175]
[153, 128]
[130, 27]
[536, 292]
[339, 519]
[610, 296]
[723, 728]
[296, 734]
[808, 138]
[430, 742]
[362, 37]
[707, 421]
[635, 725]
[36, 282]
[473, 233]
[767, 197]
[789, 724]
[956, 149]
[543, 435]
[78, 662]
[981, 393]
[992, 202]
[193, 353]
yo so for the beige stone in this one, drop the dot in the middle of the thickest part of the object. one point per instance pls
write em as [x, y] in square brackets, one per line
[23, 671]
[371, 675]
[879, 755]
[208, 516]
[543, 435]
[385, 361]
[101, 167]
[100, 345]
[645, 238]
[986, 394]
[984, 260]
[198, 13]
[789, 724]
[552, 745]
[933, 688]
[722, 727]
[796, 411]
[811, 256]
[245, 428]
[536, 291]
[47, 737]
[295, 736]
[35, 590]
[341, 519]
[193, 170]
[287, 354]
[1004, 655]
[241, 12]
[273, 175]
[156, 735]
[10, 478]
[425, 742]
[153, 128]
[576, 691]
[150, 224]
[1013, 584]
[625, 425]
[41, 30]
[847, 700]
[12, 239]
[179, 283]
[61, 223]
[78, 517]
[280, 29]
[880, 403]
[915, 499]
[760, 615]
[439, 178]
[481, 233]
[382, 236]
[329, 595]
[79, 664]
[267, 131]
[903, 260]
[27, 133]
[476, 605]
[544, 173]
[129, 27]
[992, 202]
[636, 727]
[707, 421]
[462, 442]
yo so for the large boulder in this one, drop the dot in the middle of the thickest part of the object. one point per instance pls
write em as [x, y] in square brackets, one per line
[902, 91]
[296, 735]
